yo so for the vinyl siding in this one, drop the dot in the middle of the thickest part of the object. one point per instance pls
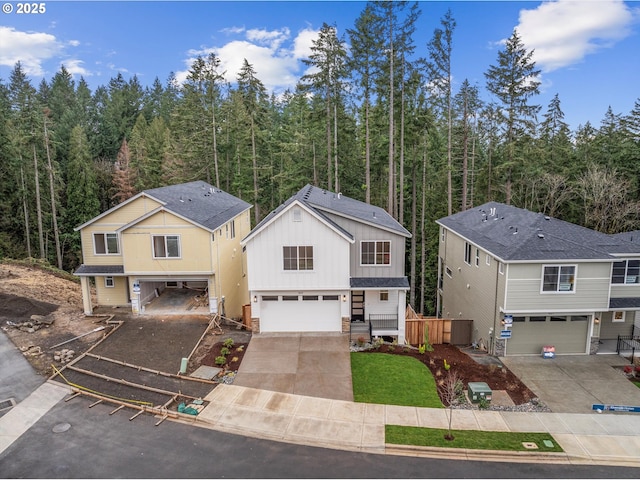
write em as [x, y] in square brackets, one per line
[115, 296]
[591, 289]
[195, 247]
[610, 330]
[360, 232]
[109, 224]
[330, 255]
[482, 298]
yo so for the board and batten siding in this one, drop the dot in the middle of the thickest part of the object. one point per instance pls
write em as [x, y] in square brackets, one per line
[609, 330]
[265, 255]
[591, 288]
[363, 232]
[471, 292]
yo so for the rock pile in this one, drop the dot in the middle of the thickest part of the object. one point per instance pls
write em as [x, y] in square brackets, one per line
[35, 323]
[63, 356]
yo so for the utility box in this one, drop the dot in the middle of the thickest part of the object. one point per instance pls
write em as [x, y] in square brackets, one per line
[479, 390]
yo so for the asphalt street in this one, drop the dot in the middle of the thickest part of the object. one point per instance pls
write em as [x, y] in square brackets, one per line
[98, 445]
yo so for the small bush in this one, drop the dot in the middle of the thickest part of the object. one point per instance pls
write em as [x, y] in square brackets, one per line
[228, 342]
[224, 351]
[483, 403]
[360, 341]
[220, 360]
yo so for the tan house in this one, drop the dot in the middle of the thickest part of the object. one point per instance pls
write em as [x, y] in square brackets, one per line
[183, 236]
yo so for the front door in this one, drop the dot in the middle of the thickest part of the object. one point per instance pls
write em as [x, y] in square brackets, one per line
[357, 306]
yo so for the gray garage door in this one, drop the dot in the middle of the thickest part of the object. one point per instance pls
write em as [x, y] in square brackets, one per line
[568, 333]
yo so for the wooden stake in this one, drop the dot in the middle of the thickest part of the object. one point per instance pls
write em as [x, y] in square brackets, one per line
[72, 396]
[95, 403]
[117, 409]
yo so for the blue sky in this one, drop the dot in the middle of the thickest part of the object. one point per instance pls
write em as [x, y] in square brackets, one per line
[588, 50]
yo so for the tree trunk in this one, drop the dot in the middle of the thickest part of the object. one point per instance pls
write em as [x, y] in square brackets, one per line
[38, 203]
[52, 190]
[390, 202]
[215, 145]
[255, 173]
[412, 292]
[367, 153]
[335, 146]
[423, 264]
[25, 207]
[400, 215]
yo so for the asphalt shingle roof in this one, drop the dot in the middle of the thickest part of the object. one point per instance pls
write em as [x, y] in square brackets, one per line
[516, 234]
[200, 202]
[99, 270]
[379, 282]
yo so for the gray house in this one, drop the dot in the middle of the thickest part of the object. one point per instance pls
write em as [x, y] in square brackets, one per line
[321, 261]
[529, 280]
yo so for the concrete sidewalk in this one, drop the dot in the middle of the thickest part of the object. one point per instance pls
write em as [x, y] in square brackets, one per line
[606, 439]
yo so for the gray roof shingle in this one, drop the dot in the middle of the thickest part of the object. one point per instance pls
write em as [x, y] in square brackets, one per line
[99, 270]
[516, 234]
[199, 202]
[379, 282]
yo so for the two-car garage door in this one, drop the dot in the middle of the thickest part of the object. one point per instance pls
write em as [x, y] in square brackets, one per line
[300, 313]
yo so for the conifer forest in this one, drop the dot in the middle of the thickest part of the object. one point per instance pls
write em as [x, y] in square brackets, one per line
[377, 119]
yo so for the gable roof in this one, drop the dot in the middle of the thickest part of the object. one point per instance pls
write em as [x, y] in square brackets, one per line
[516, 234]
[320, 202]
[197, 202]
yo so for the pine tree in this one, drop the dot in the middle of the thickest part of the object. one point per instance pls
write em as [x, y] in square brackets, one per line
[514, 81]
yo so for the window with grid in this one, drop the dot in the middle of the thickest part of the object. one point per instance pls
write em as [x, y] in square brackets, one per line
[375, 253]
[297, 258]
[467, 253]
[166, 246]
[626, 272]
[558, 278]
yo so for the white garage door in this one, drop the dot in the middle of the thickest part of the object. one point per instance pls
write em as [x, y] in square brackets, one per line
[568, 333]
[300, 313]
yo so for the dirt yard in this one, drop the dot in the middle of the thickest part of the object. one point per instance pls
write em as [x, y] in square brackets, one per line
[39, 310]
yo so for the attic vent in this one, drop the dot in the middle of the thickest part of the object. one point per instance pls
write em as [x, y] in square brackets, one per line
[212, 190]
[547, 217]
[297, 215]
[374, 214]
[492, 211]
[540, 235]
[516, 231]
[181, 199]
[339, 195]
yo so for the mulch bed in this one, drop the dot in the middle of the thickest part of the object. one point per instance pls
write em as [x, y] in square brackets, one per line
[498, 377]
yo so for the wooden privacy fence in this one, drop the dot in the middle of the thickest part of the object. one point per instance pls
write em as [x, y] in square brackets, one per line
[441, 330]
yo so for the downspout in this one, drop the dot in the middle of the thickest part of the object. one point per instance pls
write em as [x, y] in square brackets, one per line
[492, 335]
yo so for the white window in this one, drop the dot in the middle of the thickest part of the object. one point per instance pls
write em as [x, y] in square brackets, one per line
[501, 268]
[297, 258]
[166, 246]
[448, 272]
[375, 253]
[626, 272]
[108, 282]
[558, 278]
[618, 317]
[467, 253]
[384, 295]
[233, 228]
[487, 260]
[443, 234]
[477, 257]
[106, 243]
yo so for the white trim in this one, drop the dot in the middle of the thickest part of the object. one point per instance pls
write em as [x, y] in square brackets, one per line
[113, 209]
[375, 254]
[559, 286]
[310, 211]
[93, 240]
[166, 257]
[106, 282]
[622, 320]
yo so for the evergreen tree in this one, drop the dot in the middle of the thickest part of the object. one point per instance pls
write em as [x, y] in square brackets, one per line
[514, 81]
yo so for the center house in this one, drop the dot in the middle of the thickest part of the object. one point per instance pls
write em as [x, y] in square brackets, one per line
[321, 261]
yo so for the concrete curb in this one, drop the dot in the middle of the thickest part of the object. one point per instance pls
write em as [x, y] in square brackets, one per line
[478, 455]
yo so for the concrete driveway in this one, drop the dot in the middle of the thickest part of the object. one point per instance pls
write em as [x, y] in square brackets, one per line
[311, 364]
[573, 383]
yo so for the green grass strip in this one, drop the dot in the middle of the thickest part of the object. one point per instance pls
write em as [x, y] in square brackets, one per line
[392, 380]
[471, 439]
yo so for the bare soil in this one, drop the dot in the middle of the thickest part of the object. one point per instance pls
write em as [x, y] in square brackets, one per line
[157, 344]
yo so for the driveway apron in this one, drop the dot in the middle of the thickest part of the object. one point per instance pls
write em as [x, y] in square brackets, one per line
[311, 364]
[573, 383]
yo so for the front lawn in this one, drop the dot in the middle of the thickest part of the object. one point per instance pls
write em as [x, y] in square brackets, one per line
[472, 439]
[392, 380]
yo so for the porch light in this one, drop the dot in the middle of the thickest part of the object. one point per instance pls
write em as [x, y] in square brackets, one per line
[255, 299]
[596, 320]
[344, 298]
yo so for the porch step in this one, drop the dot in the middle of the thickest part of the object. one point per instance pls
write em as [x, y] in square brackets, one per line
[358, 330]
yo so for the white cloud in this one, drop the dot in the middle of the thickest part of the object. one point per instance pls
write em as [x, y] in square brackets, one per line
[273, 54]
[29, 48]
[74, 67]
[564, 32]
